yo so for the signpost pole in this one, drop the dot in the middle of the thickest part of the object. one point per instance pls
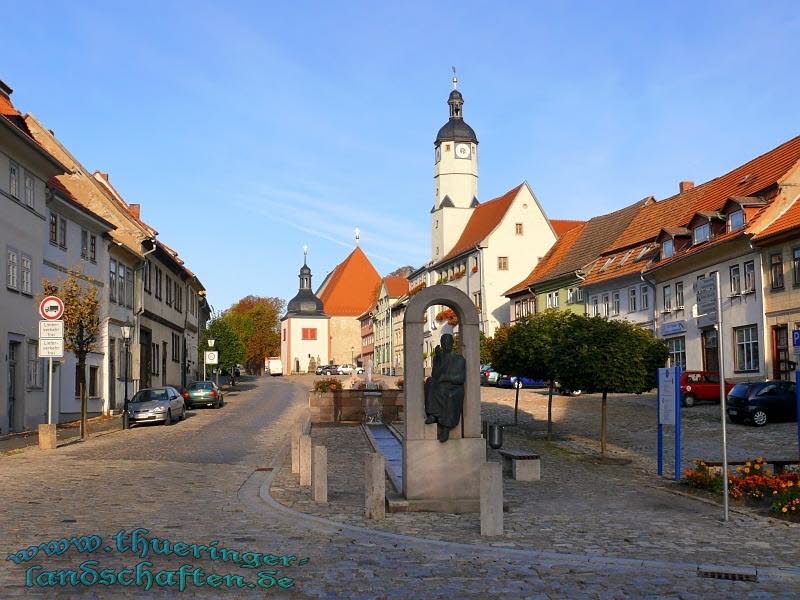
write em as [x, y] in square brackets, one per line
[797, 400]
[677, 394]
[722, 400]
[50, 391]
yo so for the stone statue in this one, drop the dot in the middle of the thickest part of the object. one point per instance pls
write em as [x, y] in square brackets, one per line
[444, 391]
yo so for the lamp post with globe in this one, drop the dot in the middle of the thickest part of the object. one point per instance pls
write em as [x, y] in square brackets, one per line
[126, 336]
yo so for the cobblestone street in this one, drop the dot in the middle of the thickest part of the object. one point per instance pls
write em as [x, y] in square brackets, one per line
[207, 479]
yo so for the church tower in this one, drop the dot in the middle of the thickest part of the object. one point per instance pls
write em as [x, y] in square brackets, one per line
[455, 178]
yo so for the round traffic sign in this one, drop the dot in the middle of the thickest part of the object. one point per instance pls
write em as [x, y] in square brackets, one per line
[51, 308]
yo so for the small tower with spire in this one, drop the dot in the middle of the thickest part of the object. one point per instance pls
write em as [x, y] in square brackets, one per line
[455, 176]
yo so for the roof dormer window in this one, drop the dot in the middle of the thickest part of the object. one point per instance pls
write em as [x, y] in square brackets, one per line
[667, 248]
[736, 220]
[701, 233]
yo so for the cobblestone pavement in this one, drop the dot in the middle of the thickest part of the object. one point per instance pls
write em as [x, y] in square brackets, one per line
[199, 482]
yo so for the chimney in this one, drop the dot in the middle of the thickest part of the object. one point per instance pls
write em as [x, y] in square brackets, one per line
[135, 209]
[103, 175]
[685, 186]
[5, 89]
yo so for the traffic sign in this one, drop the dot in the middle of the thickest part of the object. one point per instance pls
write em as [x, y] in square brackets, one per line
[796, 338]
[666, 396]
[212, 357]
[51, 329]
[707, 296]
[51, 308]
[51, 348]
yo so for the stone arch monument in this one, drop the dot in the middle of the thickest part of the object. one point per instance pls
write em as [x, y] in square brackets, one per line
[442, 476]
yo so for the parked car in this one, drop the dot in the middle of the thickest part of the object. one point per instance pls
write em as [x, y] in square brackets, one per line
[330, 370]
[345, 369]
[489, 376]
[275, 366]
[701, 385]
[564, 391]
[319, 370]
[512, 381]
[359, 370]
[758, 403]
[153, 405]
[203, 393]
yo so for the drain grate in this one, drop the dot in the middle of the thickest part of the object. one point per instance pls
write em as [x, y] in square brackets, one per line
[728, 575]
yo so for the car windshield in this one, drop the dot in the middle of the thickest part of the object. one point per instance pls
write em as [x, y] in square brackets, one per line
[201, 385]
[149, 395]
[740, 390]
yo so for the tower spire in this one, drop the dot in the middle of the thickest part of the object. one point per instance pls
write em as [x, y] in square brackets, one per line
[455, 79]
[305, 254]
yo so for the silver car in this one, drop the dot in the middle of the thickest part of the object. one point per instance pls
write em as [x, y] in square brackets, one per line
[156, 405]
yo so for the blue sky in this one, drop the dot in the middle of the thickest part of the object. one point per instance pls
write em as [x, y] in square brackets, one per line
[248, 129]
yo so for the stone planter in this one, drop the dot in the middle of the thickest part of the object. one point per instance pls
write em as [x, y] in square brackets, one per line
[349, 405]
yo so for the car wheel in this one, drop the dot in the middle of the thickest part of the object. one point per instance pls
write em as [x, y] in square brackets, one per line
[759, 418]
[183, 413]
[168, 418]
[688, 401]
[574, 392]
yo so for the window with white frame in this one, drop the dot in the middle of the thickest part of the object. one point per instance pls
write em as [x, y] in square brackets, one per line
[28, 190]
[633, 296]
[667, 249]
[606, 307]
[62, 232]
[26, 275]
[749, 276]
[701, 233]
[34, 370]
[645, 297]
[112, 280]
[595, 302]
[666, 298]
[579, 295]
[615, 303]
[679, 294]
[736, 280]
[12, 268]
[552, 299]
[53, 228]
[93, 248]
[502, 263]
[13, 179]
[94, 381]
[84, 244]
[572, 295]
[736, 220]
[677, 351]
[121, 283]
[746, 340]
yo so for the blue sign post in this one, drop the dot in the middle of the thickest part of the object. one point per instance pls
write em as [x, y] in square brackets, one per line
[669, 413]
[797, 407]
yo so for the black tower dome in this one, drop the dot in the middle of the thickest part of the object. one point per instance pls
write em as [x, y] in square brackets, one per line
[305, 303]
[456, 129]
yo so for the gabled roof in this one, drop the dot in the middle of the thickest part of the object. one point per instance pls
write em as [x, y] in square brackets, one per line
[676, 211]
[67, 196]
[396, 286]
[580, 245]
[349, 289]
[787, 223]
[15, 120]
[485, 217]
[562, 226]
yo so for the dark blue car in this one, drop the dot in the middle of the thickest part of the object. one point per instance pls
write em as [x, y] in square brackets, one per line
[760, 402]
[510, 381]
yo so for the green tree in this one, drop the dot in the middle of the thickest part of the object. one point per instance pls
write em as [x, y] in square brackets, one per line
[256, 320]
[610, 356]
[536, 346]
[227, 343]
[486, 349]
[81, 325]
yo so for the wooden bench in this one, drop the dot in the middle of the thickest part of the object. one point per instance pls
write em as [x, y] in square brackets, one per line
[778, 466]
[523, 466]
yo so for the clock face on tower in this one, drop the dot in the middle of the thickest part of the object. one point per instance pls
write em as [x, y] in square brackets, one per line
[462, 150]
[438, 153]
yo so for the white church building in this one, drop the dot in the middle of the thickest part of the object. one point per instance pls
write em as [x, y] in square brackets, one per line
[482, 248]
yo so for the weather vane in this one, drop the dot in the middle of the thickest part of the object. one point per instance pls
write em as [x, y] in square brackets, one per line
[358, 235]
[305, 252]
[455, 78]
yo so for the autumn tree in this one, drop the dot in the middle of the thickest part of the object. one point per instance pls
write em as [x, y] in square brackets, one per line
[81, 325]
[256, 320]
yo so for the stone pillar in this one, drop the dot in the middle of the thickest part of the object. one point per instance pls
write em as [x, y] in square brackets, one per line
[305, 460]
[298, 429]
[319, 474]
[47, 437]
[491, 499]
[375, 487]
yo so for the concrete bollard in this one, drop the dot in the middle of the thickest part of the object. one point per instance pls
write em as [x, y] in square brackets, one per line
[319, 474]
[305, 460]
[297, 430]
[47, 437]
[491, 499]
[375, 487]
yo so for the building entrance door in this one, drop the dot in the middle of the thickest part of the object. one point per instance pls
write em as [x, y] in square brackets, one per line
[710, 350]
[112, 374]
[146, 366]
[13, 408]
[782, 367]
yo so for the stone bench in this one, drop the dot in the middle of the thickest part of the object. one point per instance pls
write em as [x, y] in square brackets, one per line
[523, 466]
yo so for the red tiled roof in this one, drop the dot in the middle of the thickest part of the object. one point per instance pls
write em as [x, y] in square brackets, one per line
[786, 223]
[396, 286]
[350, 288]
[550, 261]
[562, 226]
[638, 258]
[676, 211]
[482, 222]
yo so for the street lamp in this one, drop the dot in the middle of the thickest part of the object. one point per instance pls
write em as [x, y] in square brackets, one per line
[127, 329]
[210, 345]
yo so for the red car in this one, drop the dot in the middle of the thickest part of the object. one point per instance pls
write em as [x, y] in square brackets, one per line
[701, 385]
